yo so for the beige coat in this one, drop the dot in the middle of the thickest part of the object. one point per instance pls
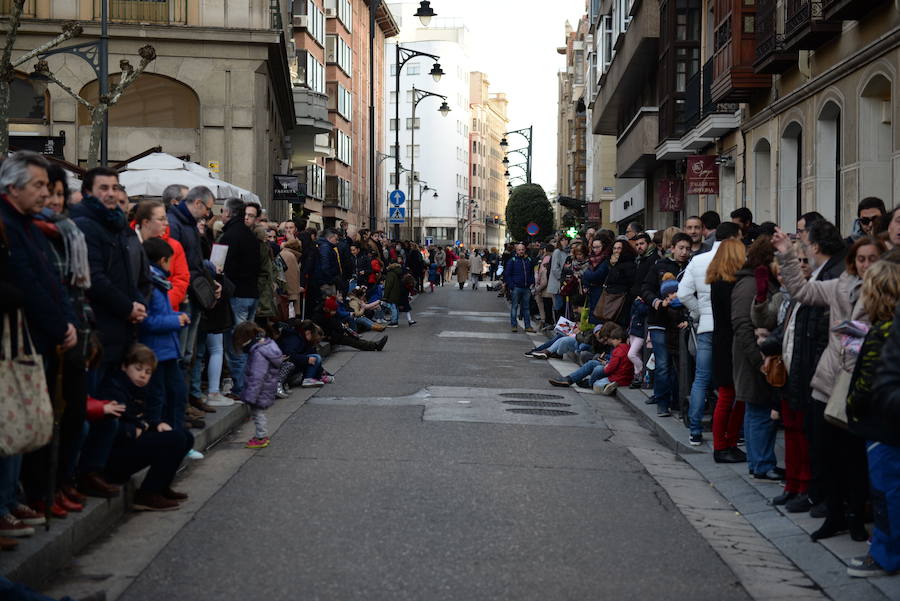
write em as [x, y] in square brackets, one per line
[840, 296]
[291, 259]
[462, 270]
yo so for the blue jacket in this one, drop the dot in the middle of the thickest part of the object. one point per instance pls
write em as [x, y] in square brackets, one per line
[328, 268]
[160, 330]
[592, 280]
[518, 273]
[47, 307]
[295, 345]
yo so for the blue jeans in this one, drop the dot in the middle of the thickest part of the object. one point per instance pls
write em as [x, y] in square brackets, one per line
[213, 346]
[244, 310]
[593, 370]
[395, 313]
[314, 369]
[760, 437]
[12, 591]
[98, 443]
[521, 297]
[10, 467]
[884, 475]
[702, 381]
[549, 343]
[564, 345]
[664, 375]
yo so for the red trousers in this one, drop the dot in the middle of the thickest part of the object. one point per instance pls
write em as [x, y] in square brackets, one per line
[796, 450]
[728, 419]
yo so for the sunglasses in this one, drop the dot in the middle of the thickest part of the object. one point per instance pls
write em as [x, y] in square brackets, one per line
[867, 220]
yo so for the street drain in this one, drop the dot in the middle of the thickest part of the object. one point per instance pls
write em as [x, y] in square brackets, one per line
[536, 404]
[547, 412]
[529, 395]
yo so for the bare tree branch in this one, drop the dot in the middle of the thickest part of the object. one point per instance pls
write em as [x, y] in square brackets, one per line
[14, 18]
[49, 74]
[70, 30]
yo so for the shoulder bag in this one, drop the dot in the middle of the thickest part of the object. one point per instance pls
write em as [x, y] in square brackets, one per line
[836, 409]
[775, 371]
[609, 306]
[203, 291]
[27, 422]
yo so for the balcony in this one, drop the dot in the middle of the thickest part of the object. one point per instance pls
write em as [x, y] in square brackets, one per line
[636, 146]
[635, 60]
[771, 55]
[804, 26]
[734, 79]
[848, 10]
[160, 12]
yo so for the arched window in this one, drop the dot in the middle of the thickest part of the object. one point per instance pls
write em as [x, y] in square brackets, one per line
[790, 175]
[151, 101]
[875, 139]
[24, 105]
[762, 180]
[828, 163]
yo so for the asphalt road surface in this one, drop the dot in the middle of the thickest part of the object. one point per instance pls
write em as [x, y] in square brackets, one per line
[409, 478]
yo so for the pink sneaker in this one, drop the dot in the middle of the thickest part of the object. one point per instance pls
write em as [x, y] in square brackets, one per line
[327, 379]
[257, 443]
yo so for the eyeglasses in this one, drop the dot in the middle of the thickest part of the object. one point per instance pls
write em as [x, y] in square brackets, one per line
[867, 220]
[804, 261]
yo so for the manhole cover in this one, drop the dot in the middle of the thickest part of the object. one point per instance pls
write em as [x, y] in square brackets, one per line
[536, 404]
[529, 395]
[547, 412]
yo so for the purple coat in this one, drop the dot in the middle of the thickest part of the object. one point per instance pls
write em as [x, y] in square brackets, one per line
[261, 373]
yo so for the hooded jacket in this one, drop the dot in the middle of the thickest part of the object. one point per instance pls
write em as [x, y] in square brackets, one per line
[264, 360]
[873, 409]
[394, 292]
[650, 290]
[694, 292]
[750, 385]
[160, 330]
[243, 258]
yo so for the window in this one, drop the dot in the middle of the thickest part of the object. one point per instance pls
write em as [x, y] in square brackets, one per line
[338, 192]
[393, 97]
[152, 101]
[413, 69]
[413, 124]
[441, 233]
[342, 10]
[337, 52]
[311, 72]
[314, 178]
[410, 149]
[409, 96]
[394, 70]
[345, 103]
[315, 23]
[342, 147]
[393, 125]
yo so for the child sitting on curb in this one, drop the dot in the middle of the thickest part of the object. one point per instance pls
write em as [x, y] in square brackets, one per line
[605, 377]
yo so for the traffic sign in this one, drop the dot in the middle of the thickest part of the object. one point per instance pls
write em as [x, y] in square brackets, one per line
[397, 197]
[429, 241]
[397, 215]
[532, 229]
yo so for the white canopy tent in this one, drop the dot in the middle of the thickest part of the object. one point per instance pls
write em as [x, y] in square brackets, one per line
[149, 176]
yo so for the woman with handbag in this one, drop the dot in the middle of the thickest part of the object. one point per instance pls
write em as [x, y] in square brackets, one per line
[619, 282]
[594, 276]
[842, 454]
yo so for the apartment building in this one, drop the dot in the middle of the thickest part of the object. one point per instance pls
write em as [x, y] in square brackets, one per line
[488, 193]
[783, 106]
[218, 91]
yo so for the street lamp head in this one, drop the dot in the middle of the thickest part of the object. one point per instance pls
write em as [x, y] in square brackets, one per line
[425, 13]
[505, 161]
[39, 79]
[436, 71]
[503, 142]
[506, 173]
[435, 195]
[445, 108]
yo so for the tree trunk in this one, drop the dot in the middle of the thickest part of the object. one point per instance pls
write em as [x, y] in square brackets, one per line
[4, 116]
[97, 114]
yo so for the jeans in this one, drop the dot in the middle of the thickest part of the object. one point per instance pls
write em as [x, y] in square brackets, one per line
[166, 395]
[100, 436]
[593, 370]
[884, 475]
[760, 435]
[213, 346]
[260, 422]
[549, 343]
[395, 313]
[364, 324]
[12, 591]
[702, 381]
[664, 376]
[10, 467]
[521, 297]
[635, 344]
[244, 310]
[564, 345]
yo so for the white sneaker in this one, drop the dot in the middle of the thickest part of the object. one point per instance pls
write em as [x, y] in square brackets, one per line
[192, 454]
[610, 389]
[281, 393]
[311, 383]
[217, 399]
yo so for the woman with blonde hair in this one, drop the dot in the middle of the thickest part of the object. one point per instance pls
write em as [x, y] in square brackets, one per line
[667, 236]
[728, 418]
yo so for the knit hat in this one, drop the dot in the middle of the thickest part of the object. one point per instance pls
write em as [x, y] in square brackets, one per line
[331, 304]
[668, 287]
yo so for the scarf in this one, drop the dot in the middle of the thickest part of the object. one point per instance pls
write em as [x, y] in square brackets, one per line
[596, 258]
[113, 219]
[75, 254]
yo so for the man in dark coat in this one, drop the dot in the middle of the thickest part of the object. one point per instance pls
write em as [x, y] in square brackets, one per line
[114, 296]
[328, 270]
[647, 256]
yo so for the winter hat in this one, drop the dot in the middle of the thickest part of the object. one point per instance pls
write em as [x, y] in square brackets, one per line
[331, 304]
[668, 287]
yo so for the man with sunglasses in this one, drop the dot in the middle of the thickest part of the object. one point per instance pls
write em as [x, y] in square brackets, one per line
[868, 212]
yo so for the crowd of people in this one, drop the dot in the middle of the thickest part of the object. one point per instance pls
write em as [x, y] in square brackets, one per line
[146, 316]
[770, 330]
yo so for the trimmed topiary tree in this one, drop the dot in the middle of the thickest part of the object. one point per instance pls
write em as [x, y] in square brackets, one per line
[528, 203]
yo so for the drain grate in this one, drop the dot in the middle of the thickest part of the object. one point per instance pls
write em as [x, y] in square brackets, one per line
[529, 395]
[546, 412]
[537, 404]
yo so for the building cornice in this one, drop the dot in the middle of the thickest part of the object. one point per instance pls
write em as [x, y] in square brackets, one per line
[192, 33]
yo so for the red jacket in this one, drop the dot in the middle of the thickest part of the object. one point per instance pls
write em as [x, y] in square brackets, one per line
[95, 409]
[620, 369]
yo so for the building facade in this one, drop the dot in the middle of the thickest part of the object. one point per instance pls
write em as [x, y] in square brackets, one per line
[433, 150]
[488, 193]
[786, 106]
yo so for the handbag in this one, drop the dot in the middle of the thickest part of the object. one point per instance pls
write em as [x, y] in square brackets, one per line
[27, 422]
[775, 371]
[609, 306]
[203, 291]
[836, 408]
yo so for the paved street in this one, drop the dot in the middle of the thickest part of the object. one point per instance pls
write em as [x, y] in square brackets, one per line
[364, 494]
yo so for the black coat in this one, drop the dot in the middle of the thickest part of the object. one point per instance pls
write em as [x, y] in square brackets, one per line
[113, 286]
[140, 264]
[650, 289]
[723, 335]
[642, 265]
[415, 263]
[873, 409]
[620, 280]
[183, 227]
[242, 260]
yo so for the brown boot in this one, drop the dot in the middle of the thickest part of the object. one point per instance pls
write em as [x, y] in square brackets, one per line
[194, 413]
[377, 327]
[197, 403]
[8, 544]
[174, 495]
[144, 501]
[93, 485]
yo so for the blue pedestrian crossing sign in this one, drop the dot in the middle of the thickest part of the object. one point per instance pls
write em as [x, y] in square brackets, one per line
[397, 197]
[397, 215]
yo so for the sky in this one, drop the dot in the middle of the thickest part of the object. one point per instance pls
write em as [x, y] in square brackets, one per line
[514, 42]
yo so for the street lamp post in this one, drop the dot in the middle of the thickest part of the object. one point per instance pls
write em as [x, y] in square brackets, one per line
[425, 14]
[525, 152]
[465, 224]
[418, 96]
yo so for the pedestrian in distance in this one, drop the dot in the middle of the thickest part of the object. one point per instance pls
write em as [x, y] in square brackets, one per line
[476, 268]
[463, 267]
[518, 277]
[261, 376]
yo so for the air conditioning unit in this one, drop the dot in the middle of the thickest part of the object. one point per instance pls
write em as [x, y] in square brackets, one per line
[331, 12]
[300, 21]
